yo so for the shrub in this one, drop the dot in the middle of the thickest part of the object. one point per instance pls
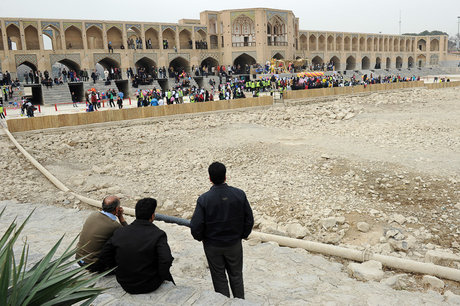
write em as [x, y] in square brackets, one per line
[49, 282]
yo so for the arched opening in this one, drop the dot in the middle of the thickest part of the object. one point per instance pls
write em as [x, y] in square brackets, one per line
[312, 43]
[365, 63]
[13, 37]
[303, 42]
[243, 62]
[434, 45]
[378, 63]
[201, 35]
[434, 59]
[134, 38]
[278, 56]
[146, 70]
[410, 62]
[376, 44]
[115, 38]
[169, 39]
[201, 41]
[94, 38]
[388, 63]
[212, 26]
[277, 35]
[335, 62]
[396, 45]
[73, 39]
[27, 69]
[243, 32]
[322, 43]
[208, 63]
[408, 46]
[65, 66]
[347, 43]
[370, 45]
[421, 60]
[1, 40]
[47, 42]
[362, 44]
[54, 35]
[421, 45]
[109, 63]
[354, 44]
[399, 62]
[185, 39]
[317, 63]
[180, 65]
[401, 45]
[351, 63]
[31, 37]
[385, 43]
[339, 43]
[110, 67]
[214, 41]
[330, 43]
[152, 40]
[381, 45]
[390, 45]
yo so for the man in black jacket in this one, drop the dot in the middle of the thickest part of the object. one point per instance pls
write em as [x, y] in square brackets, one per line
[221, 219]
[141, 252]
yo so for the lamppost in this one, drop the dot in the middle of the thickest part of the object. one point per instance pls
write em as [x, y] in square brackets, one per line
[458, 34]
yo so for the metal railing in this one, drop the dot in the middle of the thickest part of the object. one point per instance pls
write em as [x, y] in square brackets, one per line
[277, 43]
[244, 44]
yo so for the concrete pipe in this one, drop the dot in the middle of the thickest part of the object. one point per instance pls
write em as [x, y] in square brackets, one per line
[315, 247]
[360, 256]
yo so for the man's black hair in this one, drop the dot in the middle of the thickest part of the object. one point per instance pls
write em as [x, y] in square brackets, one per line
[217, 172]
[111, 206]
[145, 208]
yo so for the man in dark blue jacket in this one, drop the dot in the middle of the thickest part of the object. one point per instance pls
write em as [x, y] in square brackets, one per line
[221, 219]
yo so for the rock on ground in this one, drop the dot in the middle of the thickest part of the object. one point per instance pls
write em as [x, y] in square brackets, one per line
[273, 275]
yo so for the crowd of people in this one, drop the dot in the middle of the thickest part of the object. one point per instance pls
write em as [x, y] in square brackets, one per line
[94, 99]
[139, 252]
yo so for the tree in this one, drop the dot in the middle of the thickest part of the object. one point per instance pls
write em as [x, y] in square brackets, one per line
[427, 33]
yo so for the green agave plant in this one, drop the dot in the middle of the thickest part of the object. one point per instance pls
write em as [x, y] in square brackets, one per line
[49, 282]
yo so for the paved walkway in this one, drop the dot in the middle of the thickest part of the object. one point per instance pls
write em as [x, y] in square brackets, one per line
[273, 275]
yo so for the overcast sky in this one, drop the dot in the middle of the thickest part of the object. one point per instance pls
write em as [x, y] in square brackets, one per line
[367, 16]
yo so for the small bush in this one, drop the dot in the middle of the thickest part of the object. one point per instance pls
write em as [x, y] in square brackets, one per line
[49, 282]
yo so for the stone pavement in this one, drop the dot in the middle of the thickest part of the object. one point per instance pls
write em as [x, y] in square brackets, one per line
[273, 275]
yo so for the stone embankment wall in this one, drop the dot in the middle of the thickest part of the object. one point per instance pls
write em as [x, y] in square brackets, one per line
[47, 122]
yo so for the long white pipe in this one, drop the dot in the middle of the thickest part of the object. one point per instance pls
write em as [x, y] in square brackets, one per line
[315, 247]
[388, 261]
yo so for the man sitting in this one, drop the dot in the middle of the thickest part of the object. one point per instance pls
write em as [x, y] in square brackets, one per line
[98, 228]
[141, 252]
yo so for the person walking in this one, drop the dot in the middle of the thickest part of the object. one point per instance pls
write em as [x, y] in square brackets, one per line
[222, 218]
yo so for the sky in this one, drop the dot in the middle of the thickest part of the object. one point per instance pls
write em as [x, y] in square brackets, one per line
[368, 16]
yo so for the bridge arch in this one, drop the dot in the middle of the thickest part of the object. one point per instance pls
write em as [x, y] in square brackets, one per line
[31, 38]
[13, 37]
[94, 38]
[115, 37]
[243, 60]
[152, 35]
[365, 63]
[73, 38]
[170, 36]
[180, 64]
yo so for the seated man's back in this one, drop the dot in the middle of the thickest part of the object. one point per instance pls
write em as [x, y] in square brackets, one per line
[141, 252]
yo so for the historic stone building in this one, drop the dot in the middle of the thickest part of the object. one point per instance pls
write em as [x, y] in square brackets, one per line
[243, 36]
